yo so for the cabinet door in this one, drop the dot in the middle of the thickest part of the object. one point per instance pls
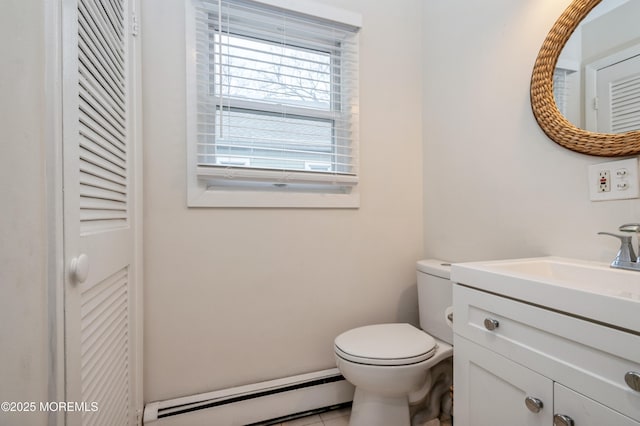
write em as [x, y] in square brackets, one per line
[491, 390]
[586, 412]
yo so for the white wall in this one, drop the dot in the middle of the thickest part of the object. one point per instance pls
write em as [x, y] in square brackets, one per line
[23, 307]
[495, 186]
[611, 32]
[236, 296]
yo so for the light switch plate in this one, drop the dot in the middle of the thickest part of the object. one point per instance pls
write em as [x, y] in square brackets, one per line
[614, 180]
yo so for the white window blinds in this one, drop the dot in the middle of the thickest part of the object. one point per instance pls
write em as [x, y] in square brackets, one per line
[561, 89]
[276, 96]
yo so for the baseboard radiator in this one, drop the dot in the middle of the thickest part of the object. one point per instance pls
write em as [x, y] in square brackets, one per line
[260, 403]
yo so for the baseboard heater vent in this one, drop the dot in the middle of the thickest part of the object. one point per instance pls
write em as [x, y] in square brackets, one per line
[253, 403]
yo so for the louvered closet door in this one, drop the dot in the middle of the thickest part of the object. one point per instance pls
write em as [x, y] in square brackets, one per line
[98, 145]
[618, 91]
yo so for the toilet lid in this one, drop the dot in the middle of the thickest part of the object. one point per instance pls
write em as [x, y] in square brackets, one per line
[385, 344]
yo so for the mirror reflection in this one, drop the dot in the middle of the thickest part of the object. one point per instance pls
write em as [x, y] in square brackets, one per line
[597, 76]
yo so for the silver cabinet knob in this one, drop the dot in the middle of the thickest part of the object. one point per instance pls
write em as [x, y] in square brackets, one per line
[633, 380]
[562, 420]
[533, 404]
[491, 324]
[79, 268]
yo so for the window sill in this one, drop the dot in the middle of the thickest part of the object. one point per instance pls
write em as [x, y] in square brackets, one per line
[248, 198]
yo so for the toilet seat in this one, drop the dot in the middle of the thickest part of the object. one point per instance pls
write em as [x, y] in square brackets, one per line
[385, 345]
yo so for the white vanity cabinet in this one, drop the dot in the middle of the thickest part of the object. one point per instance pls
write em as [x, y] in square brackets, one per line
[521, 364]
[491, 389]
[585, 411]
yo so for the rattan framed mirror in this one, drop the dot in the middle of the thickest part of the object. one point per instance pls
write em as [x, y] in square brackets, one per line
[545, 110]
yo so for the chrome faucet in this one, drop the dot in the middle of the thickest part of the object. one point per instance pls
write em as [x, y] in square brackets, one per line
[626, 257]
[632, 227]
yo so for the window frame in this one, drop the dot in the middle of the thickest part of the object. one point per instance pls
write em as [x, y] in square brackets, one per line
[222, 187]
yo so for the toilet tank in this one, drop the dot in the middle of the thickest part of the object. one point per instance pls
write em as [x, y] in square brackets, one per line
[435, 295]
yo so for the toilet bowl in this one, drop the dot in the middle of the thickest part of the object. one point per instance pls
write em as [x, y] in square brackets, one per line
[390, 364]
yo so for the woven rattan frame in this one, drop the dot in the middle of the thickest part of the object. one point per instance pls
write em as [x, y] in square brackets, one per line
[550, 119]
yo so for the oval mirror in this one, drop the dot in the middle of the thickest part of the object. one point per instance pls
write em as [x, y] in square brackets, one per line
[585, 86]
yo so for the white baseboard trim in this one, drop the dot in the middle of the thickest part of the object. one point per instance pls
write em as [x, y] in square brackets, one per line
[253, 403]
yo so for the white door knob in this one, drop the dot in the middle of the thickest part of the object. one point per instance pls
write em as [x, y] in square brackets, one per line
[80, 268]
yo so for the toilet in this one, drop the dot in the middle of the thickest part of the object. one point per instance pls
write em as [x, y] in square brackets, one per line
[391, 365]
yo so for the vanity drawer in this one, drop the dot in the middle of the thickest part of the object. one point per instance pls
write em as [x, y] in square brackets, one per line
[577, 353]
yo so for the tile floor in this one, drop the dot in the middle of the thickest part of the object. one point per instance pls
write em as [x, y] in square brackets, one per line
[338, 417]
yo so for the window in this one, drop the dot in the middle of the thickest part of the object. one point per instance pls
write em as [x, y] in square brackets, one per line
[273, 106]
[561, 89]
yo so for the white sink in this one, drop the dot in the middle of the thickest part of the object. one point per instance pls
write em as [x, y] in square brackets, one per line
[591, 290]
